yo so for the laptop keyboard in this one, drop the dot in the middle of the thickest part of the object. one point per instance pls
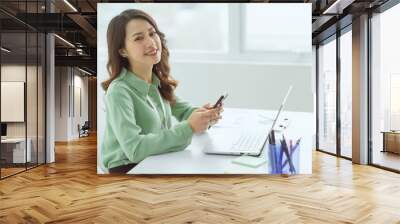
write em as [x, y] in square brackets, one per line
[249, 142]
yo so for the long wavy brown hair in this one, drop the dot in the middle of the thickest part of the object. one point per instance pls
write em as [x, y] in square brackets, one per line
[116, 33]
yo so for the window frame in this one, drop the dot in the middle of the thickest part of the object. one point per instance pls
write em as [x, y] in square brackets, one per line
[235, 52]
[334, 37]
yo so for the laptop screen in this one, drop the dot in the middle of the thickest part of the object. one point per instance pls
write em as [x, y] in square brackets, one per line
[281, 107]
[276, 117]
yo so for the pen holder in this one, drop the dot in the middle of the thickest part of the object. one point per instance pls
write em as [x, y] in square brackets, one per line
[282, 161]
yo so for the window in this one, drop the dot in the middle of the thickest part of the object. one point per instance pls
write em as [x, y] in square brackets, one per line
[229, 32]
[346, 94]
[385, 88]
[266, 28]
[394, 101]
[188, 27]
[327, 97]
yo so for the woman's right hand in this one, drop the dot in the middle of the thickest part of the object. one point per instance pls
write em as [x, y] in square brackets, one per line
[200, 119]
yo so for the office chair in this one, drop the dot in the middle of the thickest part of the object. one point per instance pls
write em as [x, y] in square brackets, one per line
[84, 130]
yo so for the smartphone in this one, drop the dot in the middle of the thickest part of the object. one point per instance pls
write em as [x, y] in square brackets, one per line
[220, 100]
[218, 103]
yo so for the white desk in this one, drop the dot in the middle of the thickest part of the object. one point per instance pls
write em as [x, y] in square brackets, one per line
[18, 149]
[192, 160]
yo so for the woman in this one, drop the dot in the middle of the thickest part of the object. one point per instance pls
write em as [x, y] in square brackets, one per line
[140, 97]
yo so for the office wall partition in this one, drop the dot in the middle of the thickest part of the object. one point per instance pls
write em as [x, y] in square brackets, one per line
[13, 88]
[22, 79]
[385, 89]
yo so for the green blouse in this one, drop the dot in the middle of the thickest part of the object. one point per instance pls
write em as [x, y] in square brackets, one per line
[138, 121]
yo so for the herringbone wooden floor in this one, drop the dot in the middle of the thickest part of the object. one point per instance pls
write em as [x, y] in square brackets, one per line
[70, 191]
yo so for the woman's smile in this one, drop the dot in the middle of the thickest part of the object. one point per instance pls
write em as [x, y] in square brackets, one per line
[152, 52]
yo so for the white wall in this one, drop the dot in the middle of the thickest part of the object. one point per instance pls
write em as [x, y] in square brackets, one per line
[15, 73]
[255, 86]
[61, 103]
[79, 117]
[12, 73]
[67, 115]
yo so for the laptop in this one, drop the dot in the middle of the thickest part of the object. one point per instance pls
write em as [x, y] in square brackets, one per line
[247, 142]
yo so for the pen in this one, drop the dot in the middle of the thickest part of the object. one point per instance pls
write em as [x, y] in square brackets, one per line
[272, 158]
[272, 152]
[277, 161]
[280, 158]
[272, 137]
[292, 151]
[296, 145]
[291, 166]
